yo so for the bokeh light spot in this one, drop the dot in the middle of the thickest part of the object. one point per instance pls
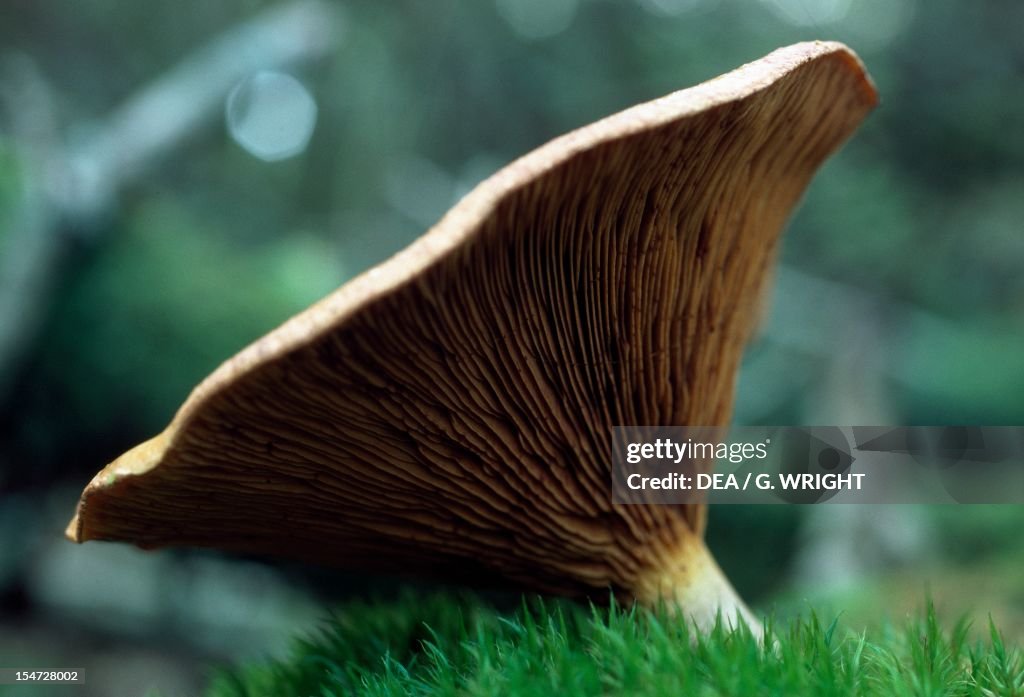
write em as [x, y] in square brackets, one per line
[271, 115]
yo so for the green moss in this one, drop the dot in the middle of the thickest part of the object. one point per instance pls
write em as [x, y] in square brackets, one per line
[439, 645]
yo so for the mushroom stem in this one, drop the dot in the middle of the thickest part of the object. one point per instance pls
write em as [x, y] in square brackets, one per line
[692, 582]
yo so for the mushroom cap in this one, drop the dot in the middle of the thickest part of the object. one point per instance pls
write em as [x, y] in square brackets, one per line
[452, 408]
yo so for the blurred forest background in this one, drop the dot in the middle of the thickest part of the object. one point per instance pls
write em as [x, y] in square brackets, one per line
[175, 180]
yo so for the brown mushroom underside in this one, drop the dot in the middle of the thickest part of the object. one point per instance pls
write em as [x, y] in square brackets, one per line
[453, 406]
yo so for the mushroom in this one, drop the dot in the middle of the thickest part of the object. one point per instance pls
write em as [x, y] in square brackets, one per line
[450, 411]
